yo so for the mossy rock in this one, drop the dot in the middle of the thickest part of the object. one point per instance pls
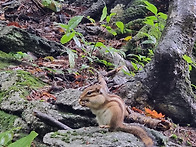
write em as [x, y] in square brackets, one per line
[18, 81]
[7, 60]
[6, 121]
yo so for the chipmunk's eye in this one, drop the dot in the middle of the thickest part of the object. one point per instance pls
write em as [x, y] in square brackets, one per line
[89, 92]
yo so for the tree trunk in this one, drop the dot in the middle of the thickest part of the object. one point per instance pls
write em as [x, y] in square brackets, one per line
[166, 81]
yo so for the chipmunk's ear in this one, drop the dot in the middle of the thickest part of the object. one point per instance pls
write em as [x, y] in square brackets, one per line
[102, 91]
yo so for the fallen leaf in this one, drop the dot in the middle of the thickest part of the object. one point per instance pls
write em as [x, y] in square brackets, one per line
[153, 114]
[137, 110]
[16, 24]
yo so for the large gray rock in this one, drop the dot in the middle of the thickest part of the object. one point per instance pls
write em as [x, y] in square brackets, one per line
[76, 116]
[91, 137]
[13, 39]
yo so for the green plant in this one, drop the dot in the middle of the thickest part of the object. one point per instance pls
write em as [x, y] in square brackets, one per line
[7, 137]
[107, 24]
[154, 25]
[70, 34]
[149, 36]
[21, 55]
[138, 62]
[191, 64]
[90, 47]
[108, 18]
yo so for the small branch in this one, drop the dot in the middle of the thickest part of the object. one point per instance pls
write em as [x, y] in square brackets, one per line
[50, 120]
[39, 5]
[161, 125]
[114, 71]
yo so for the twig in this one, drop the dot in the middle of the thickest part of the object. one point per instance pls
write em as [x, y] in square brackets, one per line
[114, 71]
[39, 5]
[161, 125]
[50, 120]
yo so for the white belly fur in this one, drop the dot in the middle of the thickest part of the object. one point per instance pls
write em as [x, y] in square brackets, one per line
[103, 116]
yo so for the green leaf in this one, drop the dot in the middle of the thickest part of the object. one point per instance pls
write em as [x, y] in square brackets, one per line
[151, 52]
[110, 30]
[46, 2]
[174, 136]
[91, 19]
[190, 67]
[193, 86]
[108, 18]
[162, 15]
[6, 137]
[148, 42]
[125, 72]
[153, 39]
[187, 59]
[67, 37]
[121, 26]
[154, 18]
[99, 44]
[104, 14]
[149, 22]
[63, 25]
[25, 141]
[90, 59]
[72, 56]
[151, 7]
[84, 66]
[74, 21]
[122, 53]
[77, 41]
[134, 66]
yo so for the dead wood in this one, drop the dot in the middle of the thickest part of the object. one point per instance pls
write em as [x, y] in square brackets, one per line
[157, 124]
[39, 6]
[50, 120]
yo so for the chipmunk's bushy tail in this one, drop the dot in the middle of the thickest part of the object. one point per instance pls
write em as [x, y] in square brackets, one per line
[139, 132]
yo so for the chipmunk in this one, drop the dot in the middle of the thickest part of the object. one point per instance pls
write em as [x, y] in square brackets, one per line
[110, 111]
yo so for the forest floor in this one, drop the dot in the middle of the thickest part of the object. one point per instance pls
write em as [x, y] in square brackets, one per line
[40, 21]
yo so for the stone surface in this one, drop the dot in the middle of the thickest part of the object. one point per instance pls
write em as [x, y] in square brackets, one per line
[13, 39]
[92, 137]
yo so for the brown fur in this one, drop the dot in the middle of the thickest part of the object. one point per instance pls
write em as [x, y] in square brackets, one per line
[110, 111]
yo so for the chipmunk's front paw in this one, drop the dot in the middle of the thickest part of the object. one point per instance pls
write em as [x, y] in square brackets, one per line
[104, 126]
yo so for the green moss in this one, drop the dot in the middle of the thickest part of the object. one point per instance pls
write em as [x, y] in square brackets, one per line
[6, 59]
[2, 95]
[135, 11]
[54, 135]
[135, 25]
[74, 133]
[24, 83]
[28, 80]
[66, 139]
[6, 121]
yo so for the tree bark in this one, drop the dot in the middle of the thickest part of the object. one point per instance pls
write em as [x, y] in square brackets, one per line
[166, 80]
